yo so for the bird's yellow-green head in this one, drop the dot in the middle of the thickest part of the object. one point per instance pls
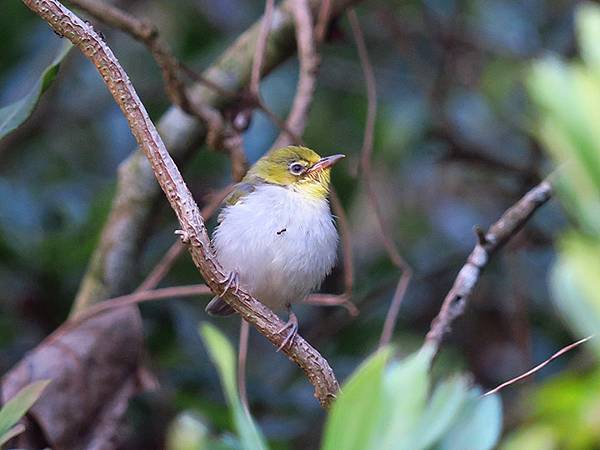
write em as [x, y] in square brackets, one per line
[298, 168]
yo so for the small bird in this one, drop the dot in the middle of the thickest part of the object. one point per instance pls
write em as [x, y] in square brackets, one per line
[276, 235]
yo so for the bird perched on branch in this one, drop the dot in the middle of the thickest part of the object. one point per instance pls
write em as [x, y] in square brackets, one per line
[276, 235]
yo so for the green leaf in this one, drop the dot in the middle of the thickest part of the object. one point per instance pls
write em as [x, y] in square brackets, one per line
[406, 387]
[381, 405]
[14, 431]
[357, 411]
[576, 285]
[568, 98]
[478, 425]
[17, 406]
[587, 20]
[442, 410]
[13, 115]
[539, 437]
[223, 356]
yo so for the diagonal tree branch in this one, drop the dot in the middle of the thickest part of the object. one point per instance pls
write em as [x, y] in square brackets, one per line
[193, 232]
[488, 243]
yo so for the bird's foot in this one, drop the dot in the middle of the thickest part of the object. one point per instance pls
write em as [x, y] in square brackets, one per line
[231, 281]
[292, 326]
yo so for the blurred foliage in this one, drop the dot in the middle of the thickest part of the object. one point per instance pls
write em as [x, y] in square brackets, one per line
[385, 404]
[224, 356]
[453, 149]
[13, 115]
[564, 411]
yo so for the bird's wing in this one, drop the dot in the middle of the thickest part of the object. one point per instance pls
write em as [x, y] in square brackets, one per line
[239, 192]
[218, 306]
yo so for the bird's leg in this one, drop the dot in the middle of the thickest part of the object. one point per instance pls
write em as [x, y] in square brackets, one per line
[232, 280]
[292, 325]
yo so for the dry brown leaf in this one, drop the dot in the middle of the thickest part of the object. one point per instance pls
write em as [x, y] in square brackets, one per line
[94, 367]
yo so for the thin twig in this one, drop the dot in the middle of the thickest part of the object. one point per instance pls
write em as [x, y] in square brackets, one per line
[366, 155]
[540, 366]
[258, 102]
[307, 79]
[199, 78]
[146, 33]
[497, 235]
[323, 21]
[333, 300]
[193, 232]
[294, 138]
[127, 300]
[163, 267]
[234, 143]
[346, 239]
[242, 358]
[260, 49]
[142, 296]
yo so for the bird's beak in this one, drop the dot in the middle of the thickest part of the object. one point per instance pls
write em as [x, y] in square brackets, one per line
[325, 163]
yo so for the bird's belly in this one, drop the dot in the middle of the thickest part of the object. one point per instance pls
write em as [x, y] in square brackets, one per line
[281, 254]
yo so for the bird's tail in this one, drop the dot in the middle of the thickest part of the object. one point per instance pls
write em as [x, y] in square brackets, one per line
[218, 307]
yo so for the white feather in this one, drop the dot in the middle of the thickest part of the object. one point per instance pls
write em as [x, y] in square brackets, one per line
[281, 243]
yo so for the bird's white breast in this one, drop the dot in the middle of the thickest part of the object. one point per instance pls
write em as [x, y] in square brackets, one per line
[281, 243]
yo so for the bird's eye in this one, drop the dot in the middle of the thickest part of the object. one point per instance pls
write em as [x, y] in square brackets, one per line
[296, 168]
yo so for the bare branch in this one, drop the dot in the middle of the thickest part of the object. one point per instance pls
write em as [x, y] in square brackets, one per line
[346, 239]
[146, 33]
[260, 49]
[194, 233]
[111, 15]
[142, 296]
[283, 127]
[323, 21]
[333, 300]
[307, 79]
[365, 162]
[161, 269]
[192, 74]
[497, 235]
[540, 366]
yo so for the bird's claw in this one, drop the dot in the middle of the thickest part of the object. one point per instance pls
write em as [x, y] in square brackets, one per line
[292, 325]
[231, 280]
